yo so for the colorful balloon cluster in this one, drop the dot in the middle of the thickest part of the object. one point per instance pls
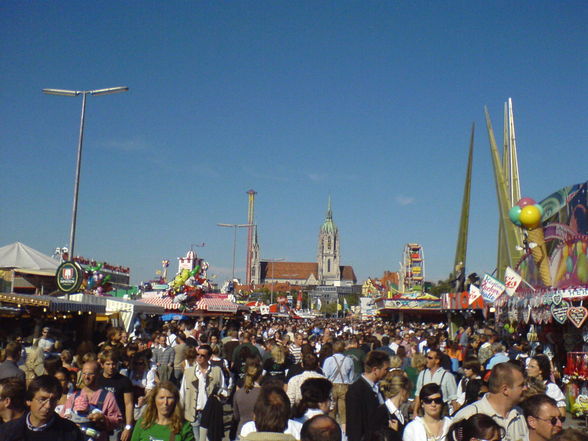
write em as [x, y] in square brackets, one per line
[96, 281]
[573, 262]
[526, 213]
[188, 285]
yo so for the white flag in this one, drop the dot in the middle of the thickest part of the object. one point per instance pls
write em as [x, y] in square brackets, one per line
[512, 280]
[474, 294]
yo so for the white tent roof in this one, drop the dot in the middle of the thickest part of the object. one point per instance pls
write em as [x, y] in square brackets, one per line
[19, 256]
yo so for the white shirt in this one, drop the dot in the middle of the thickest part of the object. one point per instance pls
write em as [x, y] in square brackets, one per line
[294, 428]
[394, 410]
[415, 431]
[555, 392]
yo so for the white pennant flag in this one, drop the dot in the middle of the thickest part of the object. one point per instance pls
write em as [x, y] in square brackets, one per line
[491, 288]
[512, 280]
[474, 294]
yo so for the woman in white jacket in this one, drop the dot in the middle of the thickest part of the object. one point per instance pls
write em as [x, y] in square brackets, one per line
[431, 426]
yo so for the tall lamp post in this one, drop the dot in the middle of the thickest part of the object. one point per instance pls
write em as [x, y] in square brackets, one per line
[84, 93]
[272, 261]
[235, 226]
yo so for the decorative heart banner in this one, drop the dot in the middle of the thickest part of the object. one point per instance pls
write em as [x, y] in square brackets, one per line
[577, 315]
[557, 298]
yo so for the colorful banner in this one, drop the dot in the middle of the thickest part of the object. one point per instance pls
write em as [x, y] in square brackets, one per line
[512, 280]
[491, 288]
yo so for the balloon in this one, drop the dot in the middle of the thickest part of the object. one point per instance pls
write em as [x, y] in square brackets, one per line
[541, 210]
[105, 279]
[525, 201]
[569, 264]
[185, 273]
[582, 268]
[515, 214]
[530, 216]
[99, 290]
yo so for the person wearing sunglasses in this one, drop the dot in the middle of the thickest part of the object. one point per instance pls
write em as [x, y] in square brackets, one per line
[542, 416]
[431, 425]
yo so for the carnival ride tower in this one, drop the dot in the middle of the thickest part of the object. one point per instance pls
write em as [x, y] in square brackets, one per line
[413, 267]
[250, 233]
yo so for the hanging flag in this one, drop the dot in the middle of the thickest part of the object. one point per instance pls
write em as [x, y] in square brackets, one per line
[474, 294]
[339, 307]
[319, 304]
[491, 288]
[345, 305]
[512, 280]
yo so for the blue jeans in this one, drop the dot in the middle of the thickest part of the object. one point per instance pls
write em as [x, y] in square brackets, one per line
[197, 429]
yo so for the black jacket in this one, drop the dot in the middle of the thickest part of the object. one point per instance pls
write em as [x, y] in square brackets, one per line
[60, 430]
[361, 403]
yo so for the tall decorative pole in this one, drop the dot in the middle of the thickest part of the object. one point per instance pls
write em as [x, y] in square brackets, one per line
[459, 266]
[510, 237]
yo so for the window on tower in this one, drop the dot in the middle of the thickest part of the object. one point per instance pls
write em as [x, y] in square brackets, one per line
[328, 265]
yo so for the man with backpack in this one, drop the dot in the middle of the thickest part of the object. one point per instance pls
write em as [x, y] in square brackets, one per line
[434, 373]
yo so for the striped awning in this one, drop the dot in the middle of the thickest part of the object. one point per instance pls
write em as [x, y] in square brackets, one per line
[165, 302]
[216, 305]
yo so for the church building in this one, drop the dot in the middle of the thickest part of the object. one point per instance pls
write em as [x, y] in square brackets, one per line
[327, 270]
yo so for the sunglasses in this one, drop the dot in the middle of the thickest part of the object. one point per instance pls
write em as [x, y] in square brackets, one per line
[201, 355]
[433, 400]
[430, 358]
[553, 420]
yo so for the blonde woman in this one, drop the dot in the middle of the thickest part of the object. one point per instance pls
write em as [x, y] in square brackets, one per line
[396, 388]
[276, 366]
[163, 418]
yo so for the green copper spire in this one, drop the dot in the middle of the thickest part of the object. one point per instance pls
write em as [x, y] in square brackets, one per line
[462, 238]
[328, 225]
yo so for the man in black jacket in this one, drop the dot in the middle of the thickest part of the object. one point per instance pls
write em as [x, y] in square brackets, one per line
[41, 423]
[364, 397]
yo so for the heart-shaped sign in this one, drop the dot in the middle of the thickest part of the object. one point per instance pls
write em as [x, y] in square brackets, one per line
[548, 299]
[535, 315]
[557, 298]
[577, 315]
[526, 315]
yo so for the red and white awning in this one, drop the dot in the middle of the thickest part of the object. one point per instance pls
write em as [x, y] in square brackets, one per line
[216, 305]
[164, 302]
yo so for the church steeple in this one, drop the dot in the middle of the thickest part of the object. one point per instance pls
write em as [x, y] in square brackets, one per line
[328, 250]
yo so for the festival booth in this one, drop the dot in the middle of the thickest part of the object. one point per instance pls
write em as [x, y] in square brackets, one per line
[27, 313]
[118, 311]
[549, 285]
[26, 270]
[409, 306]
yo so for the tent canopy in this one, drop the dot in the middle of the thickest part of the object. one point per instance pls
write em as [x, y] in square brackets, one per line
[18, 256]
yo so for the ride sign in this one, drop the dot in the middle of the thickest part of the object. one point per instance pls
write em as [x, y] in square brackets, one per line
[69, 276]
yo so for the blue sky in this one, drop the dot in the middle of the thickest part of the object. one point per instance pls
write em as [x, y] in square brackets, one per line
[370, 102]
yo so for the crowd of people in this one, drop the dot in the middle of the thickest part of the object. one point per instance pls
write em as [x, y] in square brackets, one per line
[283, 380]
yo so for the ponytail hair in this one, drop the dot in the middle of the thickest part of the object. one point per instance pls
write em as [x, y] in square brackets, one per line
[252, 373]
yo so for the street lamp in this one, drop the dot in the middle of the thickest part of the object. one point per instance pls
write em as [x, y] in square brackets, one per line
[235, 226]
[281, 259]
[96, 92]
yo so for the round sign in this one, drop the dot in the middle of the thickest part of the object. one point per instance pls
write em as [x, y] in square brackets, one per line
[69, 276]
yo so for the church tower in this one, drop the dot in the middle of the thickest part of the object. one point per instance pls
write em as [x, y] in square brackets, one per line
[328, 250]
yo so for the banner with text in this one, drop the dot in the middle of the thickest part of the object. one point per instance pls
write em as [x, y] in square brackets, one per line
[491, 288]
